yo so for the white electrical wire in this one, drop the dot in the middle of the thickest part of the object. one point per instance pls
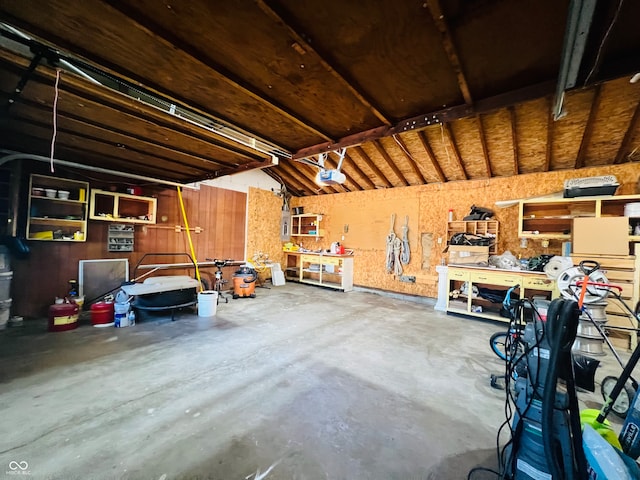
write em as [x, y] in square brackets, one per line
[55, 115]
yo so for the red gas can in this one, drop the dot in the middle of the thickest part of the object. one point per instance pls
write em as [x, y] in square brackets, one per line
[63, 316]
[102, 314]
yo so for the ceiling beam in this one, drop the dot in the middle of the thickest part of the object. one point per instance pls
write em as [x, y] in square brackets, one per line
[419, 122]
[134, 109]
[514, 139]
[334, 164]
[351, 163]
[449, 47]
[483, 144]
[550, 128]
[380, 149]
[291, 171]
[628, 135]
[454, 148]
[277, 16]
[373, 167]
[432, 158]
[410, 159]
[123, 137]
[173, 42]
[588, 129]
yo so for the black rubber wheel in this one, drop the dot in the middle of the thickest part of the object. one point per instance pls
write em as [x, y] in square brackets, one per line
[253, 295]
[498, 342]
[623, 402]
[235, 297]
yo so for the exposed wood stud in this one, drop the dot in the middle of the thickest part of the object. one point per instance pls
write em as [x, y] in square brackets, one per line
[173, 42]
[432, 157]
[454, 148]
[350, 162]
[373, 167]
[628, 135]
[306, 46]
[483, 143]
[383, 153]
[588, 129]
[410, 159]
[550, 127]
[449, 48]
[514, 139]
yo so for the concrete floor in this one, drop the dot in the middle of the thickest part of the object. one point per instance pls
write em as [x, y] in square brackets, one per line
[298, 383]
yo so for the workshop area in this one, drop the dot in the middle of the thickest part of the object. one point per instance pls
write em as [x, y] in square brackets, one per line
[273, 239]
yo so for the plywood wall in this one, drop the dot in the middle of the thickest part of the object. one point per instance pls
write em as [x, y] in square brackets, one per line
[363, 220]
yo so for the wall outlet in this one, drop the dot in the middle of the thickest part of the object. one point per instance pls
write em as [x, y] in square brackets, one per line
[408, 278]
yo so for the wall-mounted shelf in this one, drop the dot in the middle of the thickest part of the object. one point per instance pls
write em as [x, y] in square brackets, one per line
[122, 207]
[120, 238]
[306, 225]
[487, 228]
[52, 218]
[553, 218]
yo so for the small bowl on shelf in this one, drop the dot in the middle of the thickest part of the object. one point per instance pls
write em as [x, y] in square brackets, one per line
[63, 194]
[51, 193]
[37, 192]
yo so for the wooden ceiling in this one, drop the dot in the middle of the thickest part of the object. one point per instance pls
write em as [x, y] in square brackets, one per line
[417, 91]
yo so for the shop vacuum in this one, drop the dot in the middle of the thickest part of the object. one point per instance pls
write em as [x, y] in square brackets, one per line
[244, 282]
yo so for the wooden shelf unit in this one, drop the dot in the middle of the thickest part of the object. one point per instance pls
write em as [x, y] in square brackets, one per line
[122, 207]
[553, 218]
[306, 225]
[531, 283]
[57, 219]
[120, 238]
[325, 270]
[477, 227]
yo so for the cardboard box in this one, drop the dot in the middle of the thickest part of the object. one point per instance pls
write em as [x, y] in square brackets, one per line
[600, 236]
[467, 255]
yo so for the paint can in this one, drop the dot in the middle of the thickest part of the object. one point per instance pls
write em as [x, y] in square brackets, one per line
[63, 316]
[102, 314]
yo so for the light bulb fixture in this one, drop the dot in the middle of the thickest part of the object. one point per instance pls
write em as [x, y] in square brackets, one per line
[635, 78]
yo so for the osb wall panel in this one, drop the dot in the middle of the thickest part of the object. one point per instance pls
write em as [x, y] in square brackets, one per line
[615, 115]
[220, 213]
[467, 137]
[264, 211]
[532, 119]
[497, 128]
[568, 131]
[368, 215]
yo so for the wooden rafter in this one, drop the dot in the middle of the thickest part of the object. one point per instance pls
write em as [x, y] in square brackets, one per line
[349, 178]
[514, 139]
[380, 149]
[373, 166]
[449, 47]
[283, 177]
[86, 93]
[550, 128]
[410, 159]
[293, 172]
[628, 135]
[432, 158]
[483, 143]
[126, 138]
[588, 129]
[270, 11]
[350, 162]
[172, 41]
[454, 148]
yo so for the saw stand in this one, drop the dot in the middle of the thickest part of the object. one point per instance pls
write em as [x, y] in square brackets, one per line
[220, 281]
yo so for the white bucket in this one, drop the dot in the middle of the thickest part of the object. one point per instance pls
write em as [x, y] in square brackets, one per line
[207, 302]
[5, 261]
[5, 285]
[5, 309]
[121, 315]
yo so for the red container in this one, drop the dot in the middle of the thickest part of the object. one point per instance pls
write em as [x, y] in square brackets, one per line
[102, 314]
[63, 316]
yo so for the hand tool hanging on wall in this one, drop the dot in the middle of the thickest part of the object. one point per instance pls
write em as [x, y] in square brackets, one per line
[405, 255]
[390, 242]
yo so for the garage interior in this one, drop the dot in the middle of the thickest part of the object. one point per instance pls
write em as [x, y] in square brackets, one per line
[278, 151]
